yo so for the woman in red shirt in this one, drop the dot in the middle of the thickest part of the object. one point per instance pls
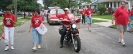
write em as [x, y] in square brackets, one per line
[36, 21]
[8, 25]
[83, 15]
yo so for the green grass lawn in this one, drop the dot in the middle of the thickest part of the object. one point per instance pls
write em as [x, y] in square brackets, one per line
[0, 30]
[96, 21]
[22, 20]
[103, 16]
[113, 26]
[1, 18]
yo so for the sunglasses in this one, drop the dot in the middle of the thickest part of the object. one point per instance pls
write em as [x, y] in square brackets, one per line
[65, 10]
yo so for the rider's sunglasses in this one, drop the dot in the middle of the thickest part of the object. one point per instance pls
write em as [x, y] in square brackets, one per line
[65, 10]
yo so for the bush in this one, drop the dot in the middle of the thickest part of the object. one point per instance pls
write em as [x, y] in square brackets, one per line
[101, 8]
[98, 13]
[106, 13]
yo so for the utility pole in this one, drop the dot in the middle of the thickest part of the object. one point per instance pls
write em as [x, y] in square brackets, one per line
[69, 4]
[15, 8]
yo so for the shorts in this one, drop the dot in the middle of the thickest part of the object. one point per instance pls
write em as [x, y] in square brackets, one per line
[122, 28]
[89, 19]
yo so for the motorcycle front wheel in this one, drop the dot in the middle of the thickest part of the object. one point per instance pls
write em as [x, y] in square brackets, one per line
[77, 44]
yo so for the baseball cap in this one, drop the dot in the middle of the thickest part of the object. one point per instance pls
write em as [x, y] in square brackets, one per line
[66, 9]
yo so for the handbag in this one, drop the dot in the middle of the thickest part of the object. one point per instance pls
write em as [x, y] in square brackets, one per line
[41, 29]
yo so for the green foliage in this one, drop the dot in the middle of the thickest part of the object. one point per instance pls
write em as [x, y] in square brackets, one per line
[87, 0]
[113, 26]
[5, 3]
[22, 5]
[101, 8]
[109, 17]
[60, 3]
[27, 5]
[106, 13]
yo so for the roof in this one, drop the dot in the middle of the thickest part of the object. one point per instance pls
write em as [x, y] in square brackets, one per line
[102, 1]
[52, 7]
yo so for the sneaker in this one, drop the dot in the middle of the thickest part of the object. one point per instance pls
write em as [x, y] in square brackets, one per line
[7, 47]
[123, 43]
[39, 46]
[34, 48]
[12, 47]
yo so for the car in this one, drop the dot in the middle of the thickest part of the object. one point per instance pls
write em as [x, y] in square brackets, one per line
[1, 13]
[51, 16]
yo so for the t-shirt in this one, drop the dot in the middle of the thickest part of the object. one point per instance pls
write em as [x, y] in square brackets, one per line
[36, 21]
[121, 16]
[42, 13]
[83, 12]
[89, 12]
[7, 20]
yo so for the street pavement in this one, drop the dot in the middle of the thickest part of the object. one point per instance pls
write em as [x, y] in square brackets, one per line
[102, 40]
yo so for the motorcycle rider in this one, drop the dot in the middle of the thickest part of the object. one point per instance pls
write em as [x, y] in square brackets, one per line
[67, 18]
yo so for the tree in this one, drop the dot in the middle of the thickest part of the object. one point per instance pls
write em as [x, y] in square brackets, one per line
[5, 3]
[60, 3]
[87, 0]
[26, 5]
[101, 8]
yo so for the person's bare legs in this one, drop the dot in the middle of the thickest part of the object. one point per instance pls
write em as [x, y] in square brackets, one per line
[89, 25]
[122, 37]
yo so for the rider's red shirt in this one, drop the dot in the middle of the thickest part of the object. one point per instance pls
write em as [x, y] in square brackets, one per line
[65, 17]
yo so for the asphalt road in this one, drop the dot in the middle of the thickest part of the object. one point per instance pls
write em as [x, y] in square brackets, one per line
[101, 40]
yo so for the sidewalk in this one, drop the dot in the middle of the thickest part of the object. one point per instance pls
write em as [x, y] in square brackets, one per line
[106, 24]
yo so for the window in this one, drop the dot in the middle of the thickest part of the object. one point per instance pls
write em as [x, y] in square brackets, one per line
[60, 11]
[114, 4]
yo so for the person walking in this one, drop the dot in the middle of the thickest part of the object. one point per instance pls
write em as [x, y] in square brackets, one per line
[43, 13]
[83, 15]
[121, 16]
[8, 26]
[89, 13]
[36, 21]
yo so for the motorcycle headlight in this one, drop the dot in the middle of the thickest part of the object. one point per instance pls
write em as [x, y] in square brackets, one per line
[74, 26]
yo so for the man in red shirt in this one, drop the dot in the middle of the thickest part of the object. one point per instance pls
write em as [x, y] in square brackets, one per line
[83, 15]
[89, 13]
[121, 16]
[8, 25]
[67, 18]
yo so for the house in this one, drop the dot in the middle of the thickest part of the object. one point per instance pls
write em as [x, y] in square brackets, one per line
[115, 3]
